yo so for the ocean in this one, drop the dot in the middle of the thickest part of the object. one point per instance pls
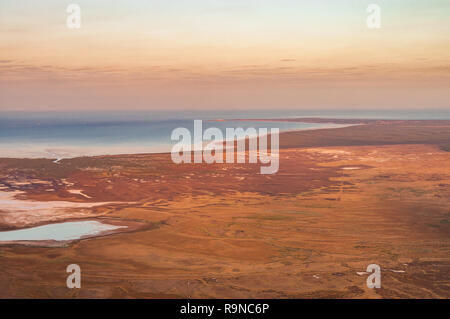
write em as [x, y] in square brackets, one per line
[59, 135]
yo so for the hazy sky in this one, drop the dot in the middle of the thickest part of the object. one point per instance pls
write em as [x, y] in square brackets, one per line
[224, 54]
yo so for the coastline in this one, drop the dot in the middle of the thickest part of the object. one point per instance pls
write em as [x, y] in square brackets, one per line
[343, 198]
[293, 137]
[58, 153]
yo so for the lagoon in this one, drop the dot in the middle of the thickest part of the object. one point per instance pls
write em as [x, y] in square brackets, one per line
[59, 232]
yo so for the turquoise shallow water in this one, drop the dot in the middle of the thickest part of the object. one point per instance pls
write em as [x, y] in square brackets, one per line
[59, 232]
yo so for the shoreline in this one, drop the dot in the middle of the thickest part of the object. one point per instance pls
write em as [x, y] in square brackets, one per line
[341, 124]
[57, 159]
[289, 135]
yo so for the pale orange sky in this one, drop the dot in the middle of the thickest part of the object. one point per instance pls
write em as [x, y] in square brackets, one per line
[221, 54]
